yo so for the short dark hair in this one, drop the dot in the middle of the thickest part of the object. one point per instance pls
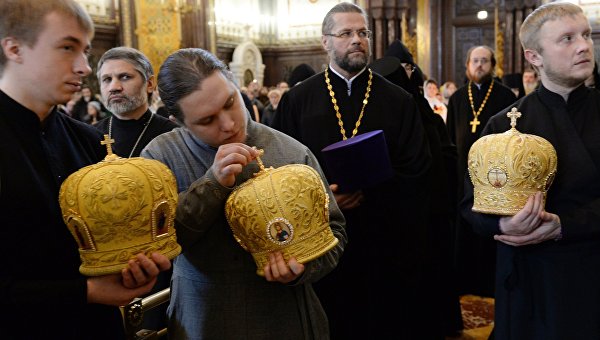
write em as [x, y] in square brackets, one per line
[135, 57]
[342, 7]
[183, 73]
[25, 19]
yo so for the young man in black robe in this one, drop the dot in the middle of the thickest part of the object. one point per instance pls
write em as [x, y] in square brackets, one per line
[381, 266]
[548, 282]
[43, 59]
[127, 81]
[469, 109]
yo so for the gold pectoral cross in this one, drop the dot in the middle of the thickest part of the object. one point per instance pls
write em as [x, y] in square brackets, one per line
[474, 123]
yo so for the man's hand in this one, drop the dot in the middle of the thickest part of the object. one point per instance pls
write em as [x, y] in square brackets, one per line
[134, 281]
[229, 161]
[277, 270]
[526, 220]
[347, 201]
[142, 270]
[531, 225]
[549, 229]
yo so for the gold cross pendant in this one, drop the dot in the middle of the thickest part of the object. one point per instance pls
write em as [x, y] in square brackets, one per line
[474, 123]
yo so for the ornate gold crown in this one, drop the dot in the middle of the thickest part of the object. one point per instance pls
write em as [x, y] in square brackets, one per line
[118, 208]
[284, 209]
[507, 168]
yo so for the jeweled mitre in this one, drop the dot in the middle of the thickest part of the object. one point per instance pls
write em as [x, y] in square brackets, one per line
[507, 168]
[284, 209]
[118, 208]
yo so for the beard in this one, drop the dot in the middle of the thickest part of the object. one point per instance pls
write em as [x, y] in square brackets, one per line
[351, 65]
[529, 87]
[479, 77]
[126, 104]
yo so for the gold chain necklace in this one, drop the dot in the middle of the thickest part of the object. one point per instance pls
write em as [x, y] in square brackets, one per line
[337, 109]
[475, 122]
[140, 136]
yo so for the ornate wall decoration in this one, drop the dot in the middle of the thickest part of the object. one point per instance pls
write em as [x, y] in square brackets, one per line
[158, 29]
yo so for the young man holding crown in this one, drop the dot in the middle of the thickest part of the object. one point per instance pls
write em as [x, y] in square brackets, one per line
[43, 58]
[547, 277]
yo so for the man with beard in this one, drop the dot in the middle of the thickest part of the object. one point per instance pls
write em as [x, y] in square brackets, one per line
[43, 59]
[126, 82]
[469, 109]
[548, 282]
[530, 81]
[381, 267]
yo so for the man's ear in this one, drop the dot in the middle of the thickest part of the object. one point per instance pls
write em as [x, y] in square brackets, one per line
[12, 48]
[324, 43]
[534, 58]
[151, 84]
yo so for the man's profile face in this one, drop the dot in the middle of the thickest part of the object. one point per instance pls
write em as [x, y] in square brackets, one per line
[52, 69]
[479, 67]
[123, 88]
[351, 54]
[215, 113]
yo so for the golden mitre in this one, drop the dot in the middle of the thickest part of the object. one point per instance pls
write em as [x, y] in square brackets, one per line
[284, 209]
[507, 168]
[118, 208]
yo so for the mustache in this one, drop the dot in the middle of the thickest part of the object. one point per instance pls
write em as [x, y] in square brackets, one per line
[356, 49]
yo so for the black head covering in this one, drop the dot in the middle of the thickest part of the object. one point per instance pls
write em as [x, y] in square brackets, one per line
[514, 81]
[300, 73]
[398, 50]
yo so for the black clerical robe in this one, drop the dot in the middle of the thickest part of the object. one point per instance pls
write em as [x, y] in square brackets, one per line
[42, 293]
[127, 132]
[551, 290]
[475, 256]
[381, 266]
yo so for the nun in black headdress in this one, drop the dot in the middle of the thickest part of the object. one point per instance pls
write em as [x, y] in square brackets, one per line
[439, 289]
[300, 73]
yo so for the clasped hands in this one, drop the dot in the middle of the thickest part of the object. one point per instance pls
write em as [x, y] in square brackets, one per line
[531, 225]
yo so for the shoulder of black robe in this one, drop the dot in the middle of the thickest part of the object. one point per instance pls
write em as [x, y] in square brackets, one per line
[35, 159]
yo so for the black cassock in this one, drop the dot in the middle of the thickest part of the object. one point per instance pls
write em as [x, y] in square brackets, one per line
[373, 293]
[551, 290]
[475, 256]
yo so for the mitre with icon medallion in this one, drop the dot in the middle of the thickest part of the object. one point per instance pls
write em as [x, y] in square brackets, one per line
[284, 209]
[118, 208]
[507, 168]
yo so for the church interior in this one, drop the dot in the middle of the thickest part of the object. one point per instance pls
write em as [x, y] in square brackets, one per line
[263, 41]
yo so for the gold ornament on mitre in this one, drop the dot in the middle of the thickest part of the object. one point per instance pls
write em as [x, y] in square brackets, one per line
[284, 209]
[118, 208]
[507, 168]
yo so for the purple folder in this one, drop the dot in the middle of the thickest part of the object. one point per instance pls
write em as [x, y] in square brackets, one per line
[359, 162]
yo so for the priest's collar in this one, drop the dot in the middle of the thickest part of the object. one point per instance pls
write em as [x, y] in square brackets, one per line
[142, 120]
[484, 82]
[575, 99]
[348, 81]
[19, 113]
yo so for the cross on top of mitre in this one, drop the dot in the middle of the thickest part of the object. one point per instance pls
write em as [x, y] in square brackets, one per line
[109, 153]
[513, 114]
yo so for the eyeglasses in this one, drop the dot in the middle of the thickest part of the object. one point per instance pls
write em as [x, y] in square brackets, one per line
[481, 61]
[347, 34]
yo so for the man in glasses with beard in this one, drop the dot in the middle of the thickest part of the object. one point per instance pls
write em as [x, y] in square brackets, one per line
[385, 223]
